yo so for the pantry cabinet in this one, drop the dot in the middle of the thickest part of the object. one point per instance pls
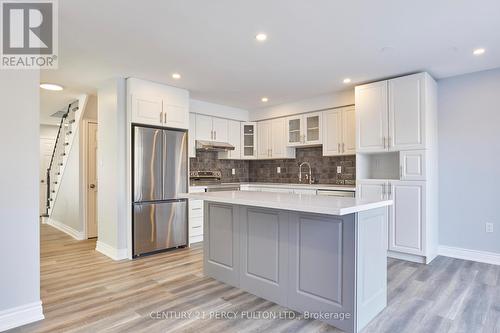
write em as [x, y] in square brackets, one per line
[304, 130]
[157, 104]
[391, 114]
[407, 217]
[339, 127]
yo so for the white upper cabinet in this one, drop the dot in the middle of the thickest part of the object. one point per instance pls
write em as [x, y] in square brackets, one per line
[406, 112]
[233, 138]
[220, 128]
[211, 128]
[158, 105]
[390, 115]
[271, 140]
[192, 135]
[147, 109]
[249, 140]
[204, 130]
[371, 117]
[349, 131]
[279, 148]
[304, 130]
[264, 139]
[339, 129]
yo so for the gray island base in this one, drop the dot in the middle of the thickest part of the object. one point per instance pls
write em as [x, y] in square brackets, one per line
[331, 266]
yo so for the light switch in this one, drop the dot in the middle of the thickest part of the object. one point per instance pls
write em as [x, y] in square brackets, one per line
[278, 169]
[339, 169]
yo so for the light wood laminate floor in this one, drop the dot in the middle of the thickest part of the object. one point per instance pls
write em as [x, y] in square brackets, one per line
[84, 291]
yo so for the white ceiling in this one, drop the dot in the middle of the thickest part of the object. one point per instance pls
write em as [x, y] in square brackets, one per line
[312, 45]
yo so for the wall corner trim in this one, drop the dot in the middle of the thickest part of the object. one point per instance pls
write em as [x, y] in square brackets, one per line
[78, 235]
[466, 254]
[21, 315]
[109, 251]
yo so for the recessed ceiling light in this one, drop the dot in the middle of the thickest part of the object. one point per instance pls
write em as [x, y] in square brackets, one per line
[347, 80]
[261, 37]
[479, 51]
[176, 76]
[264, 99]
[51, 86]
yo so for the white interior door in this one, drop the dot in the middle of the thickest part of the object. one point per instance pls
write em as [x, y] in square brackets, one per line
[371, 117]
[92, 180]
[46, 148]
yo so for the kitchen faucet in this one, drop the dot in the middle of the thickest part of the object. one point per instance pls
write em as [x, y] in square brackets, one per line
[300, 172]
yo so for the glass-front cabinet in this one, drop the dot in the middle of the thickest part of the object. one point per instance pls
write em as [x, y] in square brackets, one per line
[249, 140]
[304, 130]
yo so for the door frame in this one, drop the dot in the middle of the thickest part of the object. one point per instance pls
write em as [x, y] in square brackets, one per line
[84, 175]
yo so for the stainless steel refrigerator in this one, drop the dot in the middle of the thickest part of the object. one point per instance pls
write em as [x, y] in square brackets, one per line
[160, 173]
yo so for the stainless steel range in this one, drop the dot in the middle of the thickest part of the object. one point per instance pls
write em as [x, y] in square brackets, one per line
[212, 180]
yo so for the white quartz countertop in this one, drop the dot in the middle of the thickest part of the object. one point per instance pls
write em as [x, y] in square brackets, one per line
[330, 187]
[294, 202]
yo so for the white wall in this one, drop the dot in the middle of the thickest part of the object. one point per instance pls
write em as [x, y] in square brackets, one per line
[19, 198]
[48, 131]
[111, 168]
[91, 108]
[217, 110]
[311, 104]
[469, 160]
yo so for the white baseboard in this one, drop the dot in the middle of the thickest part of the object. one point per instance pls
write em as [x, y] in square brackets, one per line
[113, 253]
[466, 254]
[78, 235]
[406, 257]
[21, 315]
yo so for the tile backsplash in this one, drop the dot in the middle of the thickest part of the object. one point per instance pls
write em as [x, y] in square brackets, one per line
[324, 168]
[208, 160]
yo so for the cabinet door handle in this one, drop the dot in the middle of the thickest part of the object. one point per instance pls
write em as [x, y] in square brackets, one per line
[383, 139]
[400, 172]
[199, 208]
[215, 135]
[338, 147]
[388, 142]
[198, 226]
[161, 117]
[165, 116]
[343, 147]
[383, 191]
[211, 134]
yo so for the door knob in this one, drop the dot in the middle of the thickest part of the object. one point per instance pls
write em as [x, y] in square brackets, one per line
[92, 186]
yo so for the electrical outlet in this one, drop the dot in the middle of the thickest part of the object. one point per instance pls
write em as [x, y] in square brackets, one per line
[233, 171]
[339, 169]
[278, 169]
[489, 227]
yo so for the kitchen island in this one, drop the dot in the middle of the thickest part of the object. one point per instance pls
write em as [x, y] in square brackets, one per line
[325, 256]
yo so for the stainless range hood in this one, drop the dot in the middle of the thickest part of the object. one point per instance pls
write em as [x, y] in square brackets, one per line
[213, 146]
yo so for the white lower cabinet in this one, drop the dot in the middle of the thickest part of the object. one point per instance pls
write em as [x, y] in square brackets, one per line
[369, 189]
[407, 217]
[195, 221]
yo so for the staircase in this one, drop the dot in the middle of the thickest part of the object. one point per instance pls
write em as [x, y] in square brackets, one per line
[62, 147]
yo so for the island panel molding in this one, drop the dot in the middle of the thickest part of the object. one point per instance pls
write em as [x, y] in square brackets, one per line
[305, 261]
